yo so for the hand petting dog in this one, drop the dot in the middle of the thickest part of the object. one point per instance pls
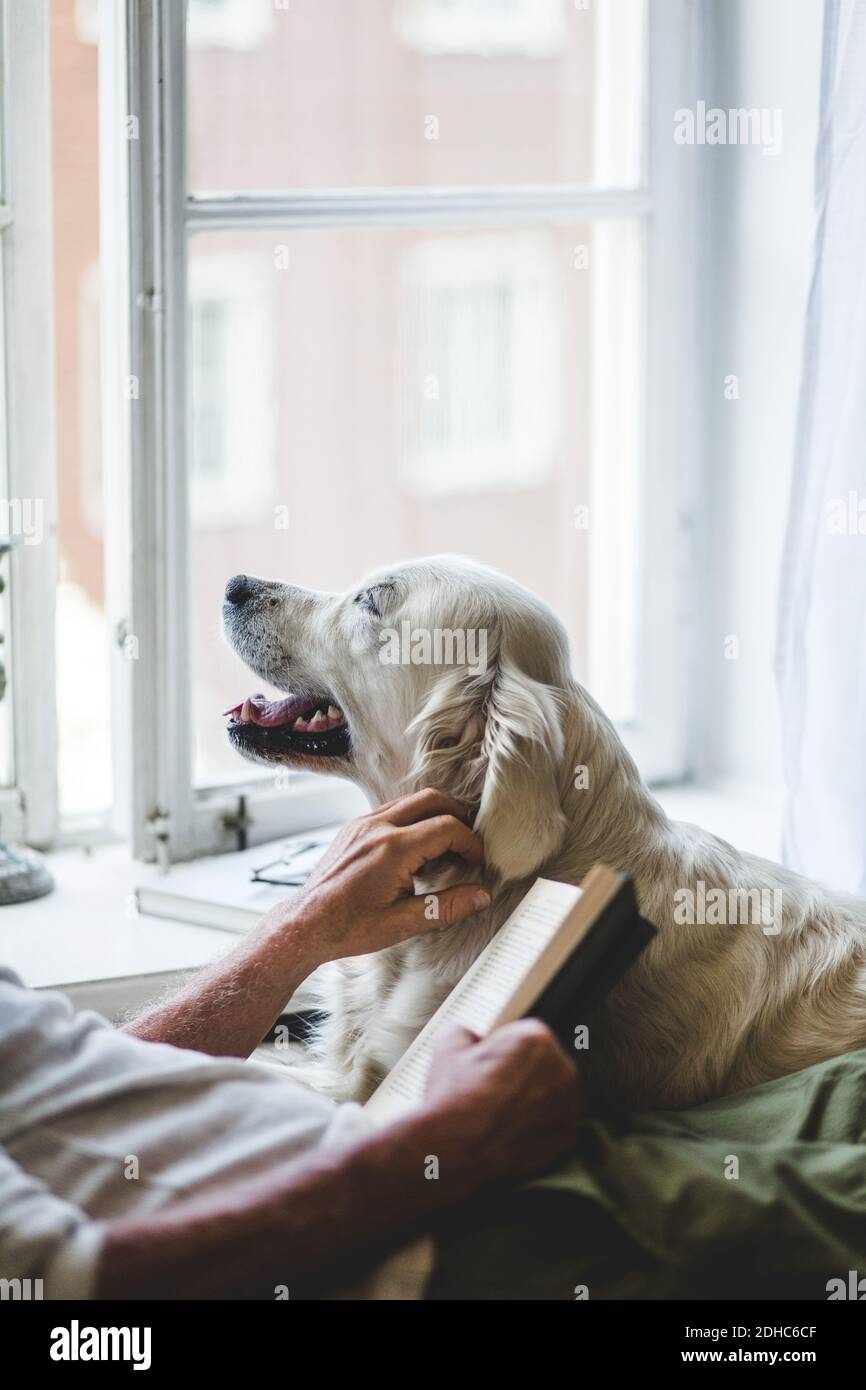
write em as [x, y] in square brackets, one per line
[360, 899]
[361, 896]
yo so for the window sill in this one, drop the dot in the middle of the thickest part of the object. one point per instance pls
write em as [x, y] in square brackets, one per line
[747, 816]
[86, 937]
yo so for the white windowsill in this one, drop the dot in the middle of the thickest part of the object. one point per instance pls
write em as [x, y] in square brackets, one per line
[86, 930]
[747, 816]
[84, 936]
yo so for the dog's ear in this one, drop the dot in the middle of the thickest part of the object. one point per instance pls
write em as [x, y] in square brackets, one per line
[494, 740]
[520, 814]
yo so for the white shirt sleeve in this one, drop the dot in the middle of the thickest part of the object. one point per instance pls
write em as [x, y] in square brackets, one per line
[79, 1102]
[44, 1237]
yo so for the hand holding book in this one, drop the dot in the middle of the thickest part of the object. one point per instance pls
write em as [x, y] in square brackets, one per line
[555, 959]
[516, 1089]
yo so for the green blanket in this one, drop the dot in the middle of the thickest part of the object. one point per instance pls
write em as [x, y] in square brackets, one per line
[758, 1195]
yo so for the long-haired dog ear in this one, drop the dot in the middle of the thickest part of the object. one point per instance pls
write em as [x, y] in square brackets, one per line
[520, 816]
[494, 740]
[446, 735]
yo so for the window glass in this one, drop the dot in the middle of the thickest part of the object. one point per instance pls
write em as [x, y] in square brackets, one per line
[401, 391]
[347, 93]
[83, 676]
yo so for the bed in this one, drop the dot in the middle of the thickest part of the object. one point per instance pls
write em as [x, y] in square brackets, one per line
[758, 1195]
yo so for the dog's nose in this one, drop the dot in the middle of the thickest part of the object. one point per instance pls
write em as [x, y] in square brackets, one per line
[238, 589]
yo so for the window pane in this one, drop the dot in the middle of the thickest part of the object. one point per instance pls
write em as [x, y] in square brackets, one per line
[370, 394]
[6, 523]
[3, 121]
[342, 93]
[10, 527]
[83, 678]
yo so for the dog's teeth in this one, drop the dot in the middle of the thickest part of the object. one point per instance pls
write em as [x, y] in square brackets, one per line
[245, 716]
[318, 720]
[334, 712]
[301, 725]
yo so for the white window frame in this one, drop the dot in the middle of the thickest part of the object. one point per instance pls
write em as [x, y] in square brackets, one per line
[28, 808]
[142, 66]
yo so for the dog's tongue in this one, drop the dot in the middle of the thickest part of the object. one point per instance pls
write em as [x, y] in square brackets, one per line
[257, 709]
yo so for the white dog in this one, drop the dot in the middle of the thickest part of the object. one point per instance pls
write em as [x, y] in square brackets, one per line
[443, 673]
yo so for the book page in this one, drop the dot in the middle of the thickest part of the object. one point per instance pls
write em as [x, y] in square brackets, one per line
[477, 1001]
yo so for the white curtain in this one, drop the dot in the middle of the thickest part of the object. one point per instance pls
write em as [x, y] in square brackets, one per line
[822, 616]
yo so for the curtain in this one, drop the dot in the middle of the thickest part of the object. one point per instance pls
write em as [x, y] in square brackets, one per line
[821, 655]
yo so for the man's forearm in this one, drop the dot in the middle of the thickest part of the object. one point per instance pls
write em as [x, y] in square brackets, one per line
[229, 1008]
[359, 899]
[311, 1228]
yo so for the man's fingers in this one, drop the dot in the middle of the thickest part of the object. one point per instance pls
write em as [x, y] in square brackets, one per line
[420, 806]
[447, 907]
[442, 835]
[451, 1038]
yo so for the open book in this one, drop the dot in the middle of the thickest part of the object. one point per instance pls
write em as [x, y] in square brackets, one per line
[555, 958]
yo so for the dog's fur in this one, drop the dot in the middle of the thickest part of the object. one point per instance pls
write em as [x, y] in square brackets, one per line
[707, 1009]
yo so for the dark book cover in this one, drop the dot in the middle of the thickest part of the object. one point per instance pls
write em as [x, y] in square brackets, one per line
[597, 963]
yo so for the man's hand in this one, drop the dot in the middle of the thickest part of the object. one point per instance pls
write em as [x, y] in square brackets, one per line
[361, 896]
[513, 1097]
[500, 1109]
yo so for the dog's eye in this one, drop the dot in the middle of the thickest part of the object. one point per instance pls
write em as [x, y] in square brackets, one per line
[369, 598]
[366, 600]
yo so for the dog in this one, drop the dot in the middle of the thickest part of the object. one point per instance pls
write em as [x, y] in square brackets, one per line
[712, 1006]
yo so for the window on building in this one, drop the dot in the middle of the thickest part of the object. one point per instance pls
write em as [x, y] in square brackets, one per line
[376, 277]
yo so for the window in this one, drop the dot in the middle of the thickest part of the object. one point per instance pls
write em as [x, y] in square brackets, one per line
[388, 94]
[530, 28]
[231, 357]
[481, 357]
[83, 640]
[28, 795]
[405, 254]
[227, 23]
[211, 23]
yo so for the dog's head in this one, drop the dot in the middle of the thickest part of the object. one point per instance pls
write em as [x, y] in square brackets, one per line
[438, 672]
